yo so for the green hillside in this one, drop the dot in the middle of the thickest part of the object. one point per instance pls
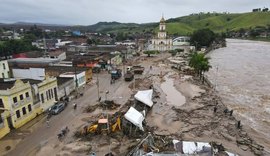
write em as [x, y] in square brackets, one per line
[187, 24]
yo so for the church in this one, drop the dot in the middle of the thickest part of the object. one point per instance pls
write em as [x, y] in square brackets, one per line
[161, 42]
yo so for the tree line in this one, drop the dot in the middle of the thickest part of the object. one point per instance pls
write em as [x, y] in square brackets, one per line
[11, 47]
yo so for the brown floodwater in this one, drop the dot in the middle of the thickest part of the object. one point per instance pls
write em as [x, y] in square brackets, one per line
[241, 73]
[173, 96]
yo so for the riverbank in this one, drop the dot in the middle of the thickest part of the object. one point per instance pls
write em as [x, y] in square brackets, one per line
[243, 83]
[263, 39]
[195, 120]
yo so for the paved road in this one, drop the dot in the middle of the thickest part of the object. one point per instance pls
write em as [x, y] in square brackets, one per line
[35, 138]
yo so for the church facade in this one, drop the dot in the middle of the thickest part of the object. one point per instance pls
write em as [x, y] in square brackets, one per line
[161, 42]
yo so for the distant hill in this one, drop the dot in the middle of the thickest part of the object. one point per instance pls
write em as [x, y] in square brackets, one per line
[218, 22]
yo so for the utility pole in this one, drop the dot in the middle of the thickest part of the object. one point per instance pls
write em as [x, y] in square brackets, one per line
[98, 87]
[45, 47]
[107, 114]
[134, 85]
[76, 79]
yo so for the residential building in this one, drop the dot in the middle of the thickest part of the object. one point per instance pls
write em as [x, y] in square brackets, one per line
[47, 92]
[4, 69]
[22, 100]
[32, 62]
[58, 70]
[77, 48]
[17, 101]
[60, 55]
[78, 77]
[65, 86]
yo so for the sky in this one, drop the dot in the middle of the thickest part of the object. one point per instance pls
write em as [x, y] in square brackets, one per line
[87, 12]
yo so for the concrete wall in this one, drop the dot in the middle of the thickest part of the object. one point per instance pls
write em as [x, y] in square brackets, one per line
[66, 88]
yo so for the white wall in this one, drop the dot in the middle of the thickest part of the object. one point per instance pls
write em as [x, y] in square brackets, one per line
[31, 73]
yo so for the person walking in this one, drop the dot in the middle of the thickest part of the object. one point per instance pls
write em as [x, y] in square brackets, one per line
[75, 106]
[48, 123]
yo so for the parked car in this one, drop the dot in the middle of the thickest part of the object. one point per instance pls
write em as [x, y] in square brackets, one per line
[57, 108]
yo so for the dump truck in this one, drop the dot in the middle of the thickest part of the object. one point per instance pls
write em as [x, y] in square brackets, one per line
[116, 74]
[129, 76]
[138, 69]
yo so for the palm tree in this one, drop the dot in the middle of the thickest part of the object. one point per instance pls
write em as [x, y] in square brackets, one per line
[200, 63]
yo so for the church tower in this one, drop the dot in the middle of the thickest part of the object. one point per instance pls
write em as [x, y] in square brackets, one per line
[161, 42]
[162, 29]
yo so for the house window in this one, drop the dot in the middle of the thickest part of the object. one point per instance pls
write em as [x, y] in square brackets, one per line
[3, 75]
[24, 110]
[27, 94]
[38, 96]
[47, 95]
[18, 114]
[52, 93]
[1, 120]
[49, 92]
[15, 100]
[1, 103]
[42, 98]
[21, 97]
[4, 66]
[29, 108]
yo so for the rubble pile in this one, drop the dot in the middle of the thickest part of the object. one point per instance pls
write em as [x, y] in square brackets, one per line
[141, 84]
[107, 104]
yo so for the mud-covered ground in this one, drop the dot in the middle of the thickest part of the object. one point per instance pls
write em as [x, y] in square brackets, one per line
[183, 109]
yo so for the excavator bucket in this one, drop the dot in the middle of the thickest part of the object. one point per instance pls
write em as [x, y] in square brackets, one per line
[92, 128]
[116, 125]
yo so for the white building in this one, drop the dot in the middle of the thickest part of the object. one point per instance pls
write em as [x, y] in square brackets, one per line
[60, 55]
[79, 77]
[4, 69]
[161, 42]
[181, 41]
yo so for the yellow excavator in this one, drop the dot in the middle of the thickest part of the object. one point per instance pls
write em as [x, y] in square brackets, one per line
[102, 127]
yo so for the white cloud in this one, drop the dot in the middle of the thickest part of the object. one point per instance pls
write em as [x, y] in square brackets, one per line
[92, 11]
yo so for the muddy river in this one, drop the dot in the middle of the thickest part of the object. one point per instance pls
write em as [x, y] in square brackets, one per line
[241, 72]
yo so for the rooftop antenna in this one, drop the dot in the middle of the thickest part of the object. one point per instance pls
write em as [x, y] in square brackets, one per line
[13, 36]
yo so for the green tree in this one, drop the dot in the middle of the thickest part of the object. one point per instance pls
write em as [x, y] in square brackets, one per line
[90, 41]
[202, 37]
[29, 37]
[200, 63]
[151, 52]
[15, 46]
